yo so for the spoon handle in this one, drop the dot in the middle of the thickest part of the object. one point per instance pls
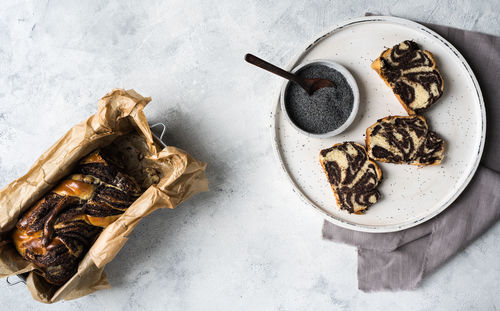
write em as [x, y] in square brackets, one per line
[254, 60]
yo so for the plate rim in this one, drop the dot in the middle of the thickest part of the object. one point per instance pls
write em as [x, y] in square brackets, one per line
[377, 228]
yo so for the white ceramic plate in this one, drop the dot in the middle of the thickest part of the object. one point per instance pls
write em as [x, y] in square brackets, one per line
[410, 195]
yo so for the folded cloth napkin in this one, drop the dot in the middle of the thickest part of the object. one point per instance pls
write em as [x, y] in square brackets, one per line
[400, 260]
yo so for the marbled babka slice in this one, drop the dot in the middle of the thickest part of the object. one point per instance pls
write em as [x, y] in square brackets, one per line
[412, 75]
[404, 139]
[58, 230]
[352, 175]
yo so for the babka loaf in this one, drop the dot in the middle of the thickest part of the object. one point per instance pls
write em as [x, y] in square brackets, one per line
[412, 75]
[59, 229]
[404, 139]
[352, 175]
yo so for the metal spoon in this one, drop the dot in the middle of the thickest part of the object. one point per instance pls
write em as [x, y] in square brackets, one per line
[309, 85]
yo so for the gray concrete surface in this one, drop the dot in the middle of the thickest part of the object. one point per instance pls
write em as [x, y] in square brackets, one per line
[250, 243]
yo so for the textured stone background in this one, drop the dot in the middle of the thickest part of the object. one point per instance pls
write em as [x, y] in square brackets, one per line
[250, 243]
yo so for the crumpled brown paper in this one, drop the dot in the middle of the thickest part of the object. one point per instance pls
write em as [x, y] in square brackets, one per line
[120, 113]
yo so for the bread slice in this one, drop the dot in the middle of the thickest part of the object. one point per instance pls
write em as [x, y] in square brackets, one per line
[404, 139]
[412, 75]
[352, 175]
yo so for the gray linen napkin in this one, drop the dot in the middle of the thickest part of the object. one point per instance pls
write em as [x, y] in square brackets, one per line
[400, 260]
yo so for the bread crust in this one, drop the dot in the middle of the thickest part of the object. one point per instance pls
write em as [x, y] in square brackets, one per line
[56, 233]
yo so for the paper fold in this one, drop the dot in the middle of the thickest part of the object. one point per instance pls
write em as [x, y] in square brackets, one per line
[120, 115]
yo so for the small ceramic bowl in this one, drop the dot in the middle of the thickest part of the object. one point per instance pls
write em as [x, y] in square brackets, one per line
[350, 80]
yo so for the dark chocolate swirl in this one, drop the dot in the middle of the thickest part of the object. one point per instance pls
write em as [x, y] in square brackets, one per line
[412, 75]
[352, 176]
[59, 229]
[404, 139]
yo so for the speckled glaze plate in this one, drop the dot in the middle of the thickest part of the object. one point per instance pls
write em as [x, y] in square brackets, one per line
[410, 195]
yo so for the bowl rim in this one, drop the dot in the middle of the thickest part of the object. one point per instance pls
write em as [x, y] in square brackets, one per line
[350, 80]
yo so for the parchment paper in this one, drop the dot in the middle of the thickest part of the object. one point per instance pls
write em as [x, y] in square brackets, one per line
[120, 113]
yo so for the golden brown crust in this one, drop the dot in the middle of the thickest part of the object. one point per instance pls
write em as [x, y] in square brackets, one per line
[58, 230]
[74, 188]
